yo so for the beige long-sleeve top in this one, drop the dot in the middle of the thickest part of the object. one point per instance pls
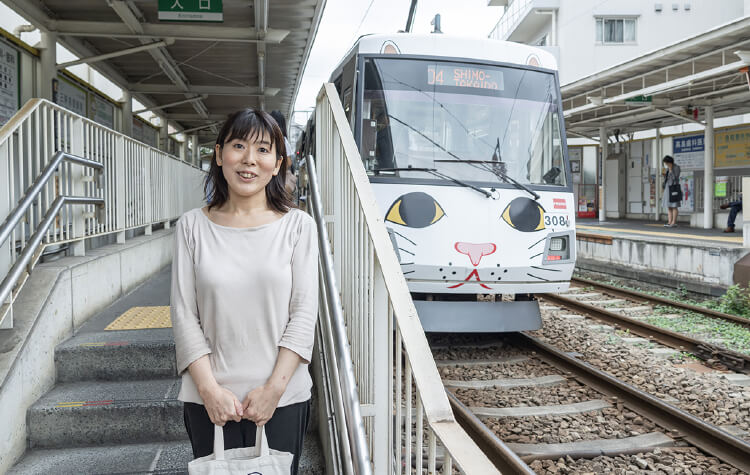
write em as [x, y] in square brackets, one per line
[238, 294]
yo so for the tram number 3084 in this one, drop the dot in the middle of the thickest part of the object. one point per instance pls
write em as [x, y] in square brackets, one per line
[556, 220]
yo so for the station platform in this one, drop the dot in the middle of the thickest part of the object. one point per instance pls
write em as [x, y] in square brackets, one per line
[701, 260]
[114, 406]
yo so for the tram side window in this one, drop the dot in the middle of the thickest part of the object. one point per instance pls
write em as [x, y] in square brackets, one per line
[546, 163]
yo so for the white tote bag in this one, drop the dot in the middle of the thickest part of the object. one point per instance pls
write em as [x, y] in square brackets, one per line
[258, 460]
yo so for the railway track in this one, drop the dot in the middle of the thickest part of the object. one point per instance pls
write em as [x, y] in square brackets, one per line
[671, 427]
[705, 350]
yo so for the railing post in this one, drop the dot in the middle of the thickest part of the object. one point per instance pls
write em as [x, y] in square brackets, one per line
[147, 195]
[78, 247]
[5, 201]
[119, 194]
[337, 160]
[383, 382]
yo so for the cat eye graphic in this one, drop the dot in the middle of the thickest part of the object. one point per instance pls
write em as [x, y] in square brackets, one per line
[524, 214]
[415, 210]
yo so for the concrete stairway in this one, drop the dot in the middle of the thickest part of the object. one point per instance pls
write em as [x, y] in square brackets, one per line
[114, 409]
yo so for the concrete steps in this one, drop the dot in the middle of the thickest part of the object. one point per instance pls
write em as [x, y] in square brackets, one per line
[82, 413]
[114, 409]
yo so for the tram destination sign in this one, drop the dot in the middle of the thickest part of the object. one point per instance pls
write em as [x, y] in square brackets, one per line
[191, 10]
[464, 76]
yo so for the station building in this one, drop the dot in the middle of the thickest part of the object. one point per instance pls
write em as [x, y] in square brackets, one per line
[650, 79]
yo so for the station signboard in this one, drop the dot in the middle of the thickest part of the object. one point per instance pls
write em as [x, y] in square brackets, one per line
[102, 111]
[9, 97]
[191, 10]
[688, 151]
[69, 96]
[732, 147]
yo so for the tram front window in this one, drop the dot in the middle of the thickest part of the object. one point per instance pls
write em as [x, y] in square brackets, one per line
[416, 113]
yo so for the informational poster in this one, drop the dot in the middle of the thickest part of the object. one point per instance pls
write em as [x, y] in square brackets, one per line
[720, 186]
[732, 148]
[8, 82]
[137, 129]
[69, 96]
[688, 152]
[102, 111]
[687, 183]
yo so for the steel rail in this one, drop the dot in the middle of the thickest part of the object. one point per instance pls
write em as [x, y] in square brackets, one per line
[25, 259]
[499, 454]
[646, 298]
[731, 359]
[36, 188]
[698, 432]
[352, 417]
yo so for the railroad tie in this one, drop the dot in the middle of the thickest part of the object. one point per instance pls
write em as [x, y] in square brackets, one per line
[524, 411]
[584, 448]
[548, 380]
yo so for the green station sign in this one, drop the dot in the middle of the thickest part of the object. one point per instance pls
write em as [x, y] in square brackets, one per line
[191, 10]
[639, 99]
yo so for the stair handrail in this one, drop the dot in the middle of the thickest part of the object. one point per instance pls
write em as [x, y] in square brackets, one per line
[25, 259]
[351, 419]
[36, 188]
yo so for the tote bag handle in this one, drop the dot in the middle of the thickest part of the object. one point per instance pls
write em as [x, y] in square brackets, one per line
[261, 443]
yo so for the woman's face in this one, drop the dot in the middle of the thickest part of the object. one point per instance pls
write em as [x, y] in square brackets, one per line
[668, 165]
[248, 164]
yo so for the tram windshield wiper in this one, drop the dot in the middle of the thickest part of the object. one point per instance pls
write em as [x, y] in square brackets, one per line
[491, 166]
[436, 173]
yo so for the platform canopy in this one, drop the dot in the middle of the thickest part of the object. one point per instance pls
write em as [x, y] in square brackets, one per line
[666, 86]
[254, 56]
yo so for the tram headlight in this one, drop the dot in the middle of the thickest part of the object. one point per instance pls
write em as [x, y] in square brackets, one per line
[558, 244]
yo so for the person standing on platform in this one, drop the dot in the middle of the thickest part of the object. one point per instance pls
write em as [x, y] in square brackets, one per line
[734, 208]
[672, 195]
[244, 297]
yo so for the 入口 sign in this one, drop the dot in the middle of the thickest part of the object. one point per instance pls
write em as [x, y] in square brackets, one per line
[191, 10]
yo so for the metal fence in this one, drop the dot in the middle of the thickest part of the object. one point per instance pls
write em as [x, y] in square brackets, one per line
[733, 190]
[139, 185]
[514, 13]
[408, 422]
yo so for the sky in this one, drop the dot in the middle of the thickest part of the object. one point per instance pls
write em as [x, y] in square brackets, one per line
[340, 27]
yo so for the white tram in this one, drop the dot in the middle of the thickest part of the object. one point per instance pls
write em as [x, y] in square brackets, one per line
[464, 143]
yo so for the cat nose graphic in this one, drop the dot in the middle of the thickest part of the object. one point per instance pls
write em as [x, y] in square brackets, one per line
[475, 251]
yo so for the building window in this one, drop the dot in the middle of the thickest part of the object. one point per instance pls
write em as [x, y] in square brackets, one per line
[615, 30]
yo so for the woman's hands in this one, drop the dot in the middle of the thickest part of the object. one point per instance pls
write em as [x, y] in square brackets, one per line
[221, 404]
[260, 403]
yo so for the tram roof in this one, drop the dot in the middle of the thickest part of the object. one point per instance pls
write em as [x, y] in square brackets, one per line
[256, 55]
[655, 89]
[480, 49]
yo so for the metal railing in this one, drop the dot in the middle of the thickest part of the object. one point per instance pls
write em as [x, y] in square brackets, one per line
[514, 13]
[402, 399]
[50, 157]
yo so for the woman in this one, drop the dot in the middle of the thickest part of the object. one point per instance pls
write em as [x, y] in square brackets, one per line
[671, 177]
[244, 296]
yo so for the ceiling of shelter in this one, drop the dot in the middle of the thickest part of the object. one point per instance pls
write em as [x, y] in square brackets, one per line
[664, 87]
[254, 58]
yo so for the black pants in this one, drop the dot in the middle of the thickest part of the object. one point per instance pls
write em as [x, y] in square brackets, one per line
[285, 431]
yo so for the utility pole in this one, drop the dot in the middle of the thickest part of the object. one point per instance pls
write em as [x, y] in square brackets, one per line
[412, 14]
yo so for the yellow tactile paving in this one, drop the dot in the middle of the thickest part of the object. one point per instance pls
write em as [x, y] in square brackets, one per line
[142, 318]
[735, 240]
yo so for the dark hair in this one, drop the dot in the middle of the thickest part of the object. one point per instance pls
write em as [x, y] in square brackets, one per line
[240, 125]
[279, 118]
[668, 159]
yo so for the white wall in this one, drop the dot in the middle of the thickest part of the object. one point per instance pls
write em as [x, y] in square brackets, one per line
[580, 56]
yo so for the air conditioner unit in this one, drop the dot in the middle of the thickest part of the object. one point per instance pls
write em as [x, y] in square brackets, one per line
[657, 7]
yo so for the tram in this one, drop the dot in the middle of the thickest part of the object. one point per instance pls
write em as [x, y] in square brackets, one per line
[464, 144]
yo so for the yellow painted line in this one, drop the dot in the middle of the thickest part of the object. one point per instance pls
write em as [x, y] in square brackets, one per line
[142, 318]
[736, 240]
[92, 344]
